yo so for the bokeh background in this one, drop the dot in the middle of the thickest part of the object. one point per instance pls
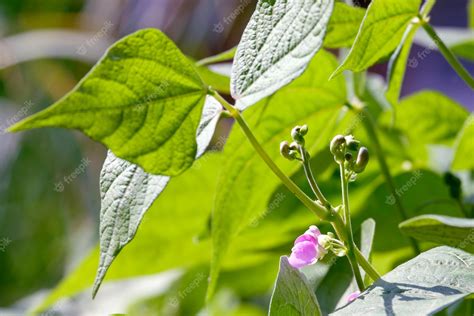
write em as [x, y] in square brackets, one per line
[49, 194]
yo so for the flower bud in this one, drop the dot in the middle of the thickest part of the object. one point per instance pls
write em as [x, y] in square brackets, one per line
[337, 147]
[362, 160]
[286, 151]
[298, 132]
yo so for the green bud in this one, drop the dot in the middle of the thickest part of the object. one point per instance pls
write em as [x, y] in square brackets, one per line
[285, 150]
[337, 147]
[304, 130]
[297, 135]
[352, 144]
[362, 160]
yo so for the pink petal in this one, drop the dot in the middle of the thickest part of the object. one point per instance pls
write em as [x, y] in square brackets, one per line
[353, 296]
[303, 253]
[306, 237]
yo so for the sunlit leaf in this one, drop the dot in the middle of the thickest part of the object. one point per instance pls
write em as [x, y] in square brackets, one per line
[343, 25]
[277, 45]
[444, 230]
[464, 147]
[127, 192]
[380, 33]
[422, 286]
[143, 100]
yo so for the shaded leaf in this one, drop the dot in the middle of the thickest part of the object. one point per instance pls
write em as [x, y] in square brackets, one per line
[224, 56]
[292, 294]
[451, 231]
[422, 286]
[384, 23]
[276, 46]
[143, 100]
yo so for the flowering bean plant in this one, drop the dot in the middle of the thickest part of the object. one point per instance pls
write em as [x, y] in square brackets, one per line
[299, 71]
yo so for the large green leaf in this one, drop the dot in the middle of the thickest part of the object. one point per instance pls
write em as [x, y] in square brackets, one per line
[424, 119]
[343, 25]
[380, 33]
[465, 146]
[422, 286]
[246, 183]
[292, 294]
[398, 64]
[143, 100]
[127, 192]
[277, 45]
[451, 231]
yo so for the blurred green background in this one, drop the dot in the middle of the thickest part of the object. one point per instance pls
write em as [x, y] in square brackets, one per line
[49, 178]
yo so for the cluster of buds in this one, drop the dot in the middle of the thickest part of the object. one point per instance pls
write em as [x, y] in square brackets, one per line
[313, 246]
[292, 151]
[348, 152]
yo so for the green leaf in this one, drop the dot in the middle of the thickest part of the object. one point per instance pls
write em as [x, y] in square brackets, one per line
[398, 64]
[464, 49]
[292, 294]
[426, 118]
[451, 231]
[246, 183]
[464, 146]
[380, 33]
[216, 80]
[343, 25]
[127, 192]
[143, 100]
[422, 286]
[224, 56]
[276, 46]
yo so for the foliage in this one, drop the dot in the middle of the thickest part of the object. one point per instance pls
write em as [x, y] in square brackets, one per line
[157, 111]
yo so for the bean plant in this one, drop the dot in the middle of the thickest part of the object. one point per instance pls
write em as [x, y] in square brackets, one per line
[307, 115]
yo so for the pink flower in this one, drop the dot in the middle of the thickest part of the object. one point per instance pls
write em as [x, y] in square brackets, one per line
[306, 249]
[353, 296]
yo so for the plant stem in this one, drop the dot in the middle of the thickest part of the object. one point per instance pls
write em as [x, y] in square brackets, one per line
[448, 54]
[310, 177]
[327, 212]
[321, 211]
[348, 226]
[370, 128]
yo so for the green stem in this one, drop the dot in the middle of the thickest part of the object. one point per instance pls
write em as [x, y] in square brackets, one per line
[325, 213]
[370, 128]
[321, 211]
[309, 175]
[348, 227]
[448, 54]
